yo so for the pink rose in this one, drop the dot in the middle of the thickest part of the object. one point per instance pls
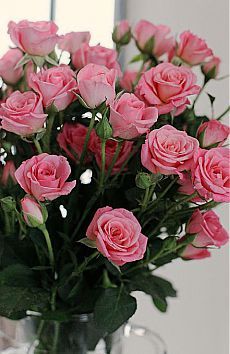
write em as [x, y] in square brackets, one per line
[191, 252]
[72, 41]
[122, 32]
[33, 213]
[44, 176]
[7, 66]
[22, 113]
[212, 134]
[167, 87]
[130, 118]
[152, 39]
[187, 188]
[211, 68]
[128, 79]
[34, 38]
[192, 49]
[118, 235]
[168, 151]
[210, 174]
[71, 140]
[208, 229]
[55, 85]
[96, 84]
[95, 55]
[8, 173]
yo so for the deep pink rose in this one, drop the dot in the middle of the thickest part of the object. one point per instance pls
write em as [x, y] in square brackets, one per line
[118, 235]
[128, 80]
[34, 38]
[122, 32]
[211, 67]
[145, 32]
[8, 173]
[167, 87]
[192, 49]
[96, 84]
[191, 252]
[208, 229]
[212, 134]
[44, 176]
[32, 212]
[71, 140]
[72, 41]
[168, 151]
[55, 85]
[22, 113]
[110, 148]
[210, 174]
[95, 55]
[130, 117]
[7, 66]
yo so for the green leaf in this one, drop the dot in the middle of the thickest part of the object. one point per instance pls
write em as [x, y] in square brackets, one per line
[50, 60]
[15, 301]
[113, 308]
[87, 242]
[17, 275]
[136, 58]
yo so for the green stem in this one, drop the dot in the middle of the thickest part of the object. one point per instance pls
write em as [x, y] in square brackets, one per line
[102, 172]
[145, 199]
[56, 337]
[223, 114]
[47, 136]
[115, 156]
[197, 97]
[49, 245]
[7, 222]
[38, 146]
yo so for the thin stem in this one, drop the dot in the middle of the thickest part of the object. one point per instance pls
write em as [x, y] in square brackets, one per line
[49, 245]
[47, 136]
[7, 222]
[102, 172]
[38, 146]
[56, 337]
[145, 199]
[223, 114]
[115, 156]
[197, 97]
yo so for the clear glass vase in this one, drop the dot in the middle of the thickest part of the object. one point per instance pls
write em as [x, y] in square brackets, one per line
[77, 336]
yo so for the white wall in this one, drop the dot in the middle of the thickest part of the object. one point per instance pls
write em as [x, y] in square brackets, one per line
[197, 321]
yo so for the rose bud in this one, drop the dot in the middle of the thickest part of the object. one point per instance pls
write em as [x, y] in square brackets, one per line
[72, 41]
[34, 213]
[211, 68]
[191, 252]
[7, 66]
[122, 33]
[127, 81]
[8, 173]
[212, 134]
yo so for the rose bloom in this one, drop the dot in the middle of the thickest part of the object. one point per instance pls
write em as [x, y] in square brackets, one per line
[208, 229]
[72, 41]
[7, 66]
[22, 113]
[211, 67]
[212, 134]
[130, 117]
[44, 176]
[168, 151]
[187, 188]
[128, 79]
[122, 32]
[34, 38]
[55, 85]
[167, 87]
[110, 148]
[96, 84]
[8, 173]
[118, 235]
[95, 55]
[191, 252]
[162, 43]
[71, 140]
[210, 174]
[192, 49]
[32, 212]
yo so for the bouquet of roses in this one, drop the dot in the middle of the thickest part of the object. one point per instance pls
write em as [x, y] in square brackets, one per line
[105, 176]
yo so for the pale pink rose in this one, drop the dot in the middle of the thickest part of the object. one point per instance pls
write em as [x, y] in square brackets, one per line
[211, 67]
[167, 87]
[128, 80]
[192, 49]
[8, 173]
[212, 134]
[168, 151]
[118, 235]
[110, 148]
[32, 212]
[71, 140]
[55, 85]
[210, 174]
[208, 229]
[7, 66]
[34, 38]
[95, 55]
[44, 176]
[122, 32]
[22, 113]
[72, 41]
[146, 31]
[187, 188]
[96, 84]
[191, 252]
[130, 117]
